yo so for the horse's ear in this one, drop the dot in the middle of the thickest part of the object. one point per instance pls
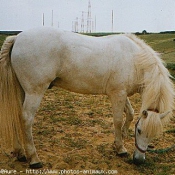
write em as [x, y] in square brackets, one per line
[145, 113]
[164, 114]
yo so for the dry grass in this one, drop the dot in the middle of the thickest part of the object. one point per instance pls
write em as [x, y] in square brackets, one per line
[73, 131]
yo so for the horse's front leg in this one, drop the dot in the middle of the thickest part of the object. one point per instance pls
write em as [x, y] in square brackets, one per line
[30, 106]
[118, 100]
[129, 117]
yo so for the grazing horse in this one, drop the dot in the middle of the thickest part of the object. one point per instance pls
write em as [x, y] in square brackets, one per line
[117, 66]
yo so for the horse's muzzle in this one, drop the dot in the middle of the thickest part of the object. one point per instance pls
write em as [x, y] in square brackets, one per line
[138, 160]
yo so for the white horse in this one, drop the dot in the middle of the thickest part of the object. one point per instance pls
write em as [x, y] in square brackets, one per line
[117, 66]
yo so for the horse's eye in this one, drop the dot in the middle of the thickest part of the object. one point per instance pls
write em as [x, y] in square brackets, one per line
[139, 131]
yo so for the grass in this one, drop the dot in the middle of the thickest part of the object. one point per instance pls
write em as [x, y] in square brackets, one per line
[2, 38]
[162, 43]
[87, 143]
[165, 45]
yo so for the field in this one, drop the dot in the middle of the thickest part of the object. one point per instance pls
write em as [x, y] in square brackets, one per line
[75, 132]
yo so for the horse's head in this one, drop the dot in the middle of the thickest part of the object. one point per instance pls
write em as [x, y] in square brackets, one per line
[147, 127]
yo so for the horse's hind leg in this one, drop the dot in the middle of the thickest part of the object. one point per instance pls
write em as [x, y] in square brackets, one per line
[129, 117]
[18, 151]
[30, 106]
[118, 101]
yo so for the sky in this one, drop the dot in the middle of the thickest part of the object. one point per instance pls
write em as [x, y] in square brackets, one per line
[128, 15]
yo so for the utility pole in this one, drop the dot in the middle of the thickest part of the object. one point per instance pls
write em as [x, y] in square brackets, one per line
[112, 21]
[43, 19]
[52, 18]
[95, 24]
[82, 22]
[72, 26]
[92, 26]
[89, 17]
[76, 25]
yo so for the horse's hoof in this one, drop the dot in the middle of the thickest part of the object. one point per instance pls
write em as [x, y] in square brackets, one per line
[22, 159]
[125, 154]
[36, 165]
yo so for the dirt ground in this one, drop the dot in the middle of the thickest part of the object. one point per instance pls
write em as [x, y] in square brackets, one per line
[75, 132]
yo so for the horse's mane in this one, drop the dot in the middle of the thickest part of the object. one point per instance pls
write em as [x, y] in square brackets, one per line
[154, 79]
[152, 125]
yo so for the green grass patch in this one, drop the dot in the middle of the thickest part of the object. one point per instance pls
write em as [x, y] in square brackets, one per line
[162, 43]
[2, 38]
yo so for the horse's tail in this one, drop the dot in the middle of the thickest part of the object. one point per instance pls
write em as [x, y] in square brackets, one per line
[11, 98]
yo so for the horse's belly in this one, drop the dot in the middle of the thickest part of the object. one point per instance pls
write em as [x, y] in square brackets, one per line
[73, 84]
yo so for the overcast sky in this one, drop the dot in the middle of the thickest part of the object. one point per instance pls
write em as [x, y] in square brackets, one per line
[129, 15]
